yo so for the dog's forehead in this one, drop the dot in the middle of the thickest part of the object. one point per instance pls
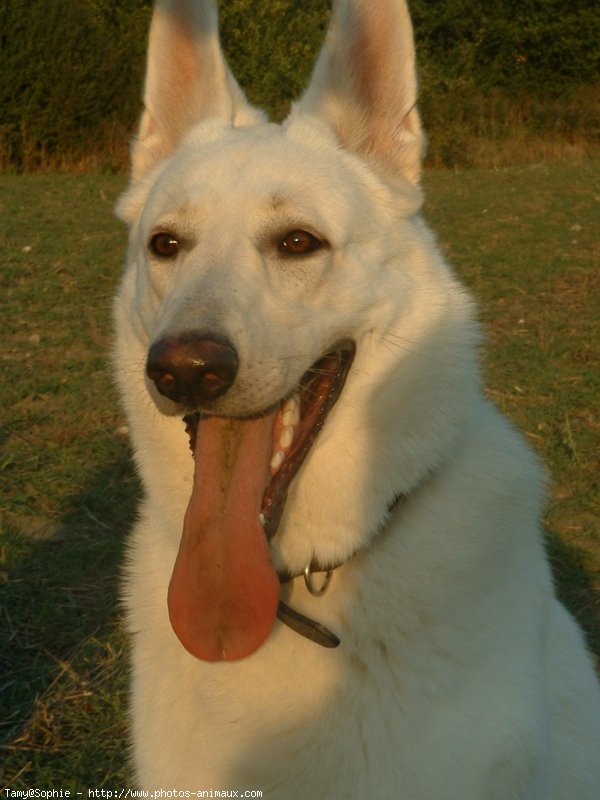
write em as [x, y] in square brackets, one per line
[268, 163]
[295, 174]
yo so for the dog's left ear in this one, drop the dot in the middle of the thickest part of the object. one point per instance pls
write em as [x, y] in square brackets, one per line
[187, 81]
[364, 84]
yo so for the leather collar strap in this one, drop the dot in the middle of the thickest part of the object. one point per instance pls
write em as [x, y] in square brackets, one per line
[306, 626]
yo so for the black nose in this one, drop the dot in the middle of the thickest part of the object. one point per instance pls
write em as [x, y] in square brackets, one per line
[192, 368]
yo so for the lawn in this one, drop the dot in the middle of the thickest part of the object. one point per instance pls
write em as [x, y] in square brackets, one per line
[522, 239]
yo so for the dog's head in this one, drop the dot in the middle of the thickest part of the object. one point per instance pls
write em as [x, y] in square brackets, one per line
[278, 277]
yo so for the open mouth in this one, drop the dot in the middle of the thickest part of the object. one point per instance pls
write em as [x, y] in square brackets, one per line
[224, 591]
[297, 423]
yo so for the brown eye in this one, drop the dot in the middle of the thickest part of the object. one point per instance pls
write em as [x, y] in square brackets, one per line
[164, 245]
[299, 243]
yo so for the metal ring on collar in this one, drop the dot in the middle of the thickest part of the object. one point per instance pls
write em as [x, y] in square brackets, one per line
[317, 591]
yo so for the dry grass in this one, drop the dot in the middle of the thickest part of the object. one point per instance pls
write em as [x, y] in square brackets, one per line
[465, 127]
[471, 128]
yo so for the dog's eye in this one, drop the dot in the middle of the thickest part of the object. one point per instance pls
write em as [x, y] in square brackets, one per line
[164, 245]
[299, 243]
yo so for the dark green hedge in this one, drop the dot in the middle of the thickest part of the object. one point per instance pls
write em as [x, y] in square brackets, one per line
[532, 44]
[71, 70]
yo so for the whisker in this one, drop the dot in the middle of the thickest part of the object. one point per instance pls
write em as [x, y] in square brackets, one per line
[393, 341]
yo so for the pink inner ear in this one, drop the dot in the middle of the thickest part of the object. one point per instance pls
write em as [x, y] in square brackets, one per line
[386, 92]
[376, 80]
[173, 70]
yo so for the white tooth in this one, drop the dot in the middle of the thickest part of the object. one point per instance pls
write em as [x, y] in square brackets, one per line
[290, 417]
[277, 459]
[291, 411]
[261, 519]
[286, 437]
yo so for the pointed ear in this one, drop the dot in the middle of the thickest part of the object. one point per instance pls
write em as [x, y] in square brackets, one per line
[187, 80]
[364, 84]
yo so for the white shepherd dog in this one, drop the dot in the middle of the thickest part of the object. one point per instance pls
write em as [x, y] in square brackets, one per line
[344, 592]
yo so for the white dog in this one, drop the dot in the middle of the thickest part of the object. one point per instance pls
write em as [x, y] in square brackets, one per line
[359, 605]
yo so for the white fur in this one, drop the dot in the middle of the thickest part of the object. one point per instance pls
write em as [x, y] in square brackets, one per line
[459, 675]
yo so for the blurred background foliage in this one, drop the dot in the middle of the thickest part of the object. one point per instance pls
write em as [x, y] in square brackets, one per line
[500, 81]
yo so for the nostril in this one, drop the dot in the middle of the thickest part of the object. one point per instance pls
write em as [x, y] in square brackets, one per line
[165, 382]
[192, 368]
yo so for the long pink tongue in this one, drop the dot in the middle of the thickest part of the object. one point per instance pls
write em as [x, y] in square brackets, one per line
[224, 590]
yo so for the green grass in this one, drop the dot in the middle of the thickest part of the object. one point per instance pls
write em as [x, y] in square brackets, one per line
[522, 238]
[67, 483]
[526, 241]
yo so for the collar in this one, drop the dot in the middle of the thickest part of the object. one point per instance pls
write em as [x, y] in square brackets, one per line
[305, 626]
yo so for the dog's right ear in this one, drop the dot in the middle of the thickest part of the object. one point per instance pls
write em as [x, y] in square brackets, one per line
[187, 81]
